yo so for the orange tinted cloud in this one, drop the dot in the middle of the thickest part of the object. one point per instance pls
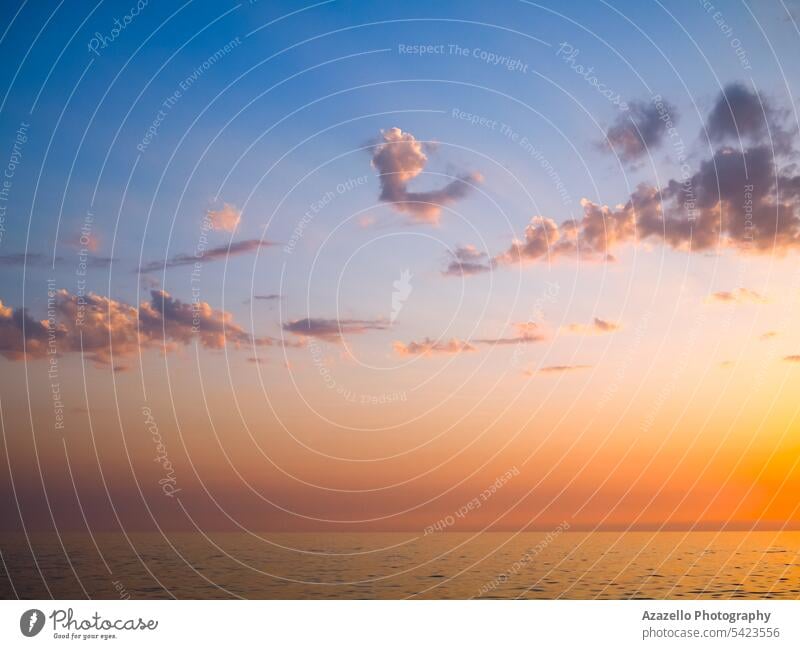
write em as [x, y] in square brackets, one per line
[225, 219]
[737, 296]
[211, 254]
[639, 129]
[400, 158]
[596, 327]
[558, 369]
[746, 200]
[468, 260]
[429, 347]
[104, 328]
[526, 332]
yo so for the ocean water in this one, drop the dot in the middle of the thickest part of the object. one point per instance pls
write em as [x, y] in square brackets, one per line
[569, 565]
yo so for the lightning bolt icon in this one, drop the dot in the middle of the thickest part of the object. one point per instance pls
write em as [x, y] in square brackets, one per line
[32, 620]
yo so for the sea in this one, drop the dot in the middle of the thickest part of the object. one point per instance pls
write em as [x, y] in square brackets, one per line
[493, 565]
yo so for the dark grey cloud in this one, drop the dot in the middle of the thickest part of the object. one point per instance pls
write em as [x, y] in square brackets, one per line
[741, 115]
[210, 254]
[746, 200]
[331, 330]
[35, 259]
[468, 260]
[641, 128]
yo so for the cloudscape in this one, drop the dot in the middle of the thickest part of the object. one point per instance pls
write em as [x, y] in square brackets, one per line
[385, 300]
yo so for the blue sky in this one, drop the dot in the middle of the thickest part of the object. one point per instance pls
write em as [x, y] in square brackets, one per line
[336, 160]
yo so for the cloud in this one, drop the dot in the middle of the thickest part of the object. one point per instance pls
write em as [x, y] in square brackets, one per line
[558, 369]
[729, 203]
[20, 334]
[767, 335]
[429, 347]
[740, 114]
[29, 259]
[592, 237]
[639, 129]
[107, 329]
[39, 260]
[468, 260]
[737, 296]
[400, 158]
[225, 219]
[211, 254]
[744, 200]
[83, 241]
[794, 358]
[596, 327]
[332, 330]
[527, 332]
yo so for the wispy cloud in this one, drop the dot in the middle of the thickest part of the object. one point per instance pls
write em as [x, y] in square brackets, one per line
[526, 332]
[39, 260]
[332, 330]
[557, 369]
[595, 328]
[737, 296]
[211, 254]
[430, 347]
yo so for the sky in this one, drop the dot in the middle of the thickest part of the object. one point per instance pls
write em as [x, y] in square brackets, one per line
[352, 266]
